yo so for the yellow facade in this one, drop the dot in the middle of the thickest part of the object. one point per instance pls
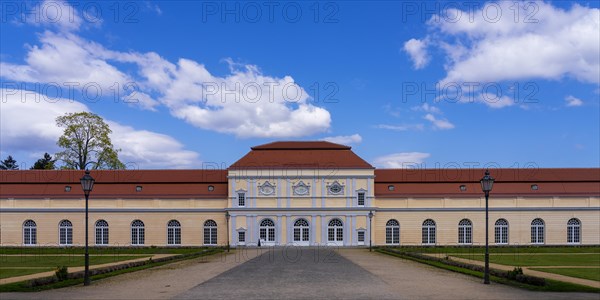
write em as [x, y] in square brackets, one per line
[303, 207]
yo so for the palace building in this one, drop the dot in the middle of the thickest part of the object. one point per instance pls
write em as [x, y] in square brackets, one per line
[304, 194]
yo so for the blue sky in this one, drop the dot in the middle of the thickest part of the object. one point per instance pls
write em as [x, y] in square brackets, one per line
[381, 77]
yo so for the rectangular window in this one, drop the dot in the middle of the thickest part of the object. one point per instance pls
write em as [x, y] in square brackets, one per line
[296, 234]
[361, 199]
[361, 236]
[241, 199]
[331, 234]
[242, 237]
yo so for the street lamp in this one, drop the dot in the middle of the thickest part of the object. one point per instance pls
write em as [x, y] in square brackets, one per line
[87, 183]
[227, 215]
[370, 230]
[486, 186]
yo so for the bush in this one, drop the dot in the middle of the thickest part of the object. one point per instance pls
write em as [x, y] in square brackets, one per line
[514, 273]
[62, 273]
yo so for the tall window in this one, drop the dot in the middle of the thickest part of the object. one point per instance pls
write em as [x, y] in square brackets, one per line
[501, 231]
[392, 232]
[210, 232]
[335, 231]
[138, 234]
[361, 199]
[537, 231]
[573, 231]
[301, 231]
[428, 232]
[267, 230]
[465, 231]
[65, 232]
[241, 199]
[174, 233]
[361, 236]
[29, 233]
[242, 237]
[101, 232]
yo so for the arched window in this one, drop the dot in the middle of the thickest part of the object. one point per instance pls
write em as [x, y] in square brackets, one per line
[465, 231]
[574, 231]
[392, 232]
[301, 231]
[138, 234]
[65, 233]
[267, 230]
[101, 232]
[537, 231]
[428, 232]
[210, 232]
[335, 231]
[501, 231]
[29, 232]
[173, 233]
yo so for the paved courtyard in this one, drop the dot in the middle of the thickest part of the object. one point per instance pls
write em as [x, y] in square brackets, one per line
[295, 273]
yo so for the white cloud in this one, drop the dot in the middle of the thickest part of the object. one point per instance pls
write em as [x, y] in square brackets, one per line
[438, 123]
[573, 101]
[550, 43]
[401, 160]
[344, 139]
[495, 101]
[404, 127]
[417, 50]
[245, 103]
[427, 108]
[54, 13]
[151, 150]
[27, 123]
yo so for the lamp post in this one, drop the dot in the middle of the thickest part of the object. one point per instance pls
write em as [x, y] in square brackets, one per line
[87, 183]
[370, 230]
[486, 186]
[227, 215]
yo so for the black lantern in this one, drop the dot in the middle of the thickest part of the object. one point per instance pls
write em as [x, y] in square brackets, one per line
[87, 184]
[486, 186]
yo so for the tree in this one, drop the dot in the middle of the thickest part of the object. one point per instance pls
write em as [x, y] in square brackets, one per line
[45, 163]
[9, 164]
[86, 143]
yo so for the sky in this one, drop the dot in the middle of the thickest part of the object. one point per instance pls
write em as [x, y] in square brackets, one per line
[407, 84]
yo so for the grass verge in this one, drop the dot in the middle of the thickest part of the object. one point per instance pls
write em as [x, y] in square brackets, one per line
[584, 273]
[550, 286]
[25, 286]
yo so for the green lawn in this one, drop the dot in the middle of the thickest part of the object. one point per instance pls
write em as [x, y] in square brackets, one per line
[100, 250]
[6, 273]
[585, 273]
[10, 265]
[501, 249]
[525, 260]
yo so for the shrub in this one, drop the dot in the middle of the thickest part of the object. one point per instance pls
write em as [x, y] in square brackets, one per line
[62, 273]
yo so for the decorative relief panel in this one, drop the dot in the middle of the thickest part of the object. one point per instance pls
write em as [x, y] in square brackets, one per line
[301, 189]
[335, 188]
[266, 189]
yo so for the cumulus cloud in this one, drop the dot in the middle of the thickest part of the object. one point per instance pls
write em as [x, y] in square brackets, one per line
[417, 50]
[245, 102]
[573, 101]
[548, 43]
[344, 139]
[401, 160]
[27, 123]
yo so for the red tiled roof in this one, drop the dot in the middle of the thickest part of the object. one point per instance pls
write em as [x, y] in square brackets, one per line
[509, 182]
[299, 145]
[302, 155]
[115, 184]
